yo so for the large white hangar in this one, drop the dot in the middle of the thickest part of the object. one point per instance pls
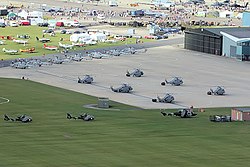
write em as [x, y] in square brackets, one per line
[230, 42]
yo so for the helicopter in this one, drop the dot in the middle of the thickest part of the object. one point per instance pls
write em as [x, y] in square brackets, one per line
[84, 117]
[87, 79]
[22, 118]
[183, 113]
[166, 99]
[218, 90]
[175, 81]
[124, 88]
[136, 73]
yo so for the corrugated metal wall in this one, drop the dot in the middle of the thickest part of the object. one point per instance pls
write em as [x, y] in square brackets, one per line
[203, 42]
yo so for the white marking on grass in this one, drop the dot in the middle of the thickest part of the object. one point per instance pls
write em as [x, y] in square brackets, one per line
[6, 100]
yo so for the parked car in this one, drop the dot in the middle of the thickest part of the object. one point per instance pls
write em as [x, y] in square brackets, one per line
[48, 31]
[43, 24]
[77, 32]
[150, 37]
[66, 32]
[2, 25]
[13, 24]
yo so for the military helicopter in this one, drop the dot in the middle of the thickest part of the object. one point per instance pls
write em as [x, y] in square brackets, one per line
[166, 99]
[175, 81]
[77, 57]
[56, 60]
[183, 113]
[22, 118]
[19, 65]
[85, 117]
[219, 90]
[87, 79]
[124, 88]
[136, 73]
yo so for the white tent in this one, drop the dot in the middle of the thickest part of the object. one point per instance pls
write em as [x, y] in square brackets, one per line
[23, 14]
[226, 14]
[77, 37]
[35, 14]
[99, 37]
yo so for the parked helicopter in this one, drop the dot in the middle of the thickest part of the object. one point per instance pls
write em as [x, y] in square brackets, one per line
[124, 88]
[19, 65]
[136, 73]
[219, 90]
[85, 117]
[166, 99]
[22, 118]
[76, 57]
[183, 113]
[87, 79]
[56, 60]
[11, 51]
[176, 81]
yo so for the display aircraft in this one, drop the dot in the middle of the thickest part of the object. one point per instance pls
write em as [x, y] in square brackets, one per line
[11, 51]
[43, 40]
[50, 47]
[28, 50]
[65, 46]
[20, 41]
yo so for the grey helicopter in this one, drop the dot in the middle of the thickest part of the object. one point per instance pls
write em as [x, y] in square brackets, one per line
[55, 60]
[175, 81]
[136, 73]
[84, 117]
[168, 98]
[124, 88]
[218, 90]
[87, 79]
[22, 118]
[182, 113]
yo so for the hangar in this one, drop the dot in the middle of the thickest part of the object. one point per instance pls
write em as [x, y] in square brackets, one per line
[230, 42]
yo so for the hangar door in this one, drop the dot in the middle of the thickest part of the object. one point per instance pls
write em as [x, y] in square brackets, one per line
[203, 43]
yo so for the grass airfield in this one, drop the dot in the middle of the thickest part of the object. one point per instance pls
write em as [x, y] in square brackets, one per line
[126, 137]
[36, 31]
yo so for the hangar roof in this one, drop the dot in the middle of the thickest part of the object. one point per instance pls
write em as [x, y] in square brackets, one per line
[238, 32]
[243, 109]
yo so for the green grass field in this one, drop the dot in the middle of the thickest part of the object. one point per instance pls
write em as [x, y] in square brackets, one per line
[35, 31]
[130, 137]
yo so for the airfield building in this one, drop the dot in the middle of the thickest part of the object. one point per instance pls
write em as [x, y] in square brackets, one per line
[240, 114]
[229, 42]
